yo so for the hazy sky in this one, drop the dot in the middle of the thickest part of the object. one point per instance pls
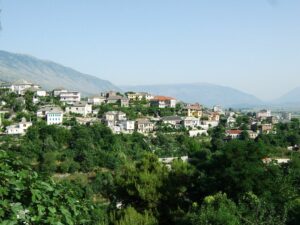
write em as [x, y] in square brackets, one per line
[252, 45]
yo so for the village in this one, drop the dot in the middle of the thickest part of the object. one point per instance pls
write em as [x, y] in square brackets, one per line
[146, 113]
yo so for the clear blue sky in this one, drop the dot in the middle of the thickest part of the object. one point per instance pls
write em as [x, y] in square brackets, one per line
[252, 45]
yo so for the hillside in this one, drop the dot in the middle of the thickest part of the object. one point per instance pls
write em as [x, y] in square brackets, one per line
[291, 97]
[48, 74]
[207, 94]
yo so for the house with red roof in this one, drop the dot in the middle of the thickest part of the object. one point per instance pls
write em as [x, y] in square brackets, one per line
[163, 102]
[234, 134]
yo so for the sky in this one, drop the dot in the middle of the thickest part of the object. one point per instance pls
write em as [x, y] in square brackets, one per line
[251, 45]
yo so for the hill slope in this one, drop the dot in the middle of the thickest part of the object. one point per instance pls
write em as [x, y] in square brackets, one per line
[290, 98]
[48, 74]
[207, 94]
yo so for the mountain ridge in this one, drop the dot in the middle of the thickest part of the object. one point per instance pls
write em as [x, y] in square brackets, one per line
[204, 93]
[49, 74]
[291, 97]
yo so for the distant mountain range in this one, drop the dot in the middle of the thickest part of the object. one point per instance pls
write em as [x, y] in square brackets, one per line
[48, 74]
[292, 97]
[206, 94]
[51, 75]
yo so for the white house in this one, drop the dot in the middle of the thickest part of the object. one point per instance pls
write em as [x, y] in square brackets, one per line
[195, 133]
[234, 134]
[54, 117]
[127, 126]
[204, 126]
[96, 100]
[252, 134]
[231, 121]
[139, 96]
[37, 91]
[218, 109]
[57, 91]
[87, 120]
[172, 120]
[52, 114]
[191, 122]
[19, 86]
[114, 116]
[70, 97]
[124, 102]
[116, 129]
[163, 102]
[277, 161]
[168, 161]
[42, 111]
[19, 128]
[144, 125]
[263, 114]
[209, 123]
[286, 116]
[118, 123]
[41, 93]
[82, 108]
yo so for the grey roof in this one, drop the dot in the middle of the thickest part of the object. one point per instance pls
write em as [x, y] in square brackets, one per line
[21, 81]
[5, 84]
[114, 113]
[68, 92]
[80, 104]
[143, 121]
[117, 98]
[50, 108]
[59, 89]
[168, 118]
[33, 89]
[97, 96]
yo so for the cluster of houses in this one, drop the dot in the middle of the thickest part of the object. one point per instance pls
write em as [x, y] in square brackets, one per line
[83, 110]
[21, 86]
[193, 117]
[261, 123]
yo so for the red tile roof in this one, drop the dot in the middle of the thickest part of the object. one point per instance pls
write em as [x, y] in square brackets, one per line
[162, 98]
[234, 132]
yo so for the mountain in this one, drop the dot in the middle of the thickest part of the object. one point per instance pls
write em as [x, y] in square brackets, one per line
[206, 94]
[290, 98]
[48, 74]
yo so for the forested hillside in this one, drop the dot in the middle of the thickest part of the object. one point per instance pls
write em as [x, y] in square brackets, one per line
[85, 174]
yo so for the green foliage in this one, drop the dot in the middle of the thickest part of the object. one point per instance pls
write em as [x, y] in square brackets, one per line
[242, 120]
[26, 198]
[293, 217]
[105, 178]
[131, 216]
[255, 210]
[138, 184]
[29, 105]
[216, 210]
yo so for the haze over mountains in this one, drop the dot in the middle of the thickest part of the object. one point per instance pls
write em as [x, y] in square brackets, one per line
[290, 98]
[48, 74]
[51, 75]
[207, 94]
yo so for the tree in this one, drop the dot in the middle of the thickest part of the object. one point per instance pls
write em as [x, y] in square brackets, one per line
[235, 169]
[26, 198]
[131, 216]
[217, 137]
[216, 210]
[139, 184]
